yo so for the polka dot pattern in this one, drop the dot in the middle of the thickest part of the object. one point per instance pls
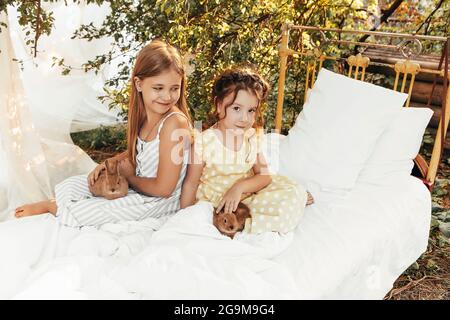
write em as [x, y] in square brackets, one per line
[278, 207]
[269, 213]
[223, 167]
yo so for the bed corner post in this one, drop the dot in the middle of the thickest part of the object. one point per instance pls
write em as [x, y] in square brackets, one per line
[439, 142]
[281, 80]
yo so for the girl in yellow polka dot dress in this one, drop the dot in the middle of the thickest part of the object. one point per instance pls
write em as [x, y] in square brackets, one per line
[227, 165]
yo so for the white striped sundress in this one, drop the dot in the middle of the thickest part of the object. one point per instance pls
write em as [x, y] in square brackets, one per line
[77, 206]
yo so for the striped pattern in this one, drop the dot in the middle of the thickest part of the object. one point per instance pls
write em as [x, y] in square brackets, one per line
[77, 206]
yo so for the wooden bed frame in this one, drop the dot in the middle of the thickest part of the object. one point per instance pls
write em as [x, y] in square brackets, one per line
[356, 67]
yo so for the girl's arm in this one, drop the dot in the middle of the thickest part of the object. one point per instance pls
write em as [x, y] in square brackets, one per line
[192, 180]
[120, 156]
[258, 181]
[174, 134]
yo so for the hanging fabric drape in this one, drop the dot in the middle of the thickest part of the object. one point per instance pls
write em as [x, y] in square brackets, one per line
[42, 106]
[25, 176]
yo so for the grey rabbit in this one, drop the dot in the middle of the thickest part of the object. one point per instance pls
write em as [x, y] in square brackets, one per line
[110, 184]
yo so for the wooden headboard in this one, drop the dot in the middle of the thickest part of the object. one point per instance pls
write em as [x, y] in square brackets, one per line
[406, 69]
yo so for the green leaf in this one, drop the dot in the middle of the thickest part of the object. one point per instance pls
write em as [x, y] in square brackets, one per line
[434, 223]
[431, 265]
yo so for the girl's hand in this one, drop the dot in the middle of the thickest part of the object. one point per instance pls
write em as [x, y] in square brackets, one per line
[126, 168]
[231, 199]
[93, 176]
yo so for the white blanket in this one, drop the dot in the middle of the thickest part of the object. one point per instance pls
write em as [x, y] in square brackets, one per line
[186, 258]
[346, 246]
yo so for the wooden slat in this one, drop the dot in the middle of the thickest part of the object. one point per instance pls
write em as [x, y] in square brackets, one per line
[382, 52]
[424, 77]
[392, 57]
[421, 91]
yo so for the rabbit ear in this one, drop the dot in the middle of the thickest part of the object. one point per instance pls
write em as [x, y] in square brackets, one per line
[107, 165]
[114, 167]
[111, 166]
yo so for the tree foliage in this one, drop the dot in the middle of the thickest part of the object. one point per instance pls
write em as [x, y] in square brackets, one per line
[215, 34]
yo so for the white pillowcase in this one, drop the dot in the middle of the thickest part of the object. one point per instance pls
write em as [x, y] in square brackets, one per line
[337, 130]
[396, 148]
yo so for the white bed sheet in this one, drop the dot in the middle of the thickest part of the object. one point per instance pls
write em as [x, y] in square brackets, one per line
[357, 245]
[347, 246]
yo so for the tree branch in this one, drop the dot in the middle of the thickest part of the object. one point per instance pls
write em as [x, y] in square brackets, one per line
[428, 19]
[386, 14]
[38, 23]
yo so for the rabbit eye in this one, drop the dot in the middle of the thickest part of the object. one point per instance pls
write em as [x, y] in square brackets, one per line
[118, 182]
[224, 220]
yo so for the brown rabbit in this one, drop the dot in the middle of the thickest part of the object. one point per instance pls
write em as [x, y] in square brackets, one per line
[230, 223]
[110, 184]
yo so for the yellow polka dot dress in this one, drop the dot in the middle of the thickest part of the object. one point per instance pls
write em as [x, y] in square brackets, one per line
[278, 207]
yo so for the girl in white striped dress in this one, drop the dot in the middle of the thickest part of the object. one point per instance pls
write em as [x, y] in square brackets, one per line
[158, 150]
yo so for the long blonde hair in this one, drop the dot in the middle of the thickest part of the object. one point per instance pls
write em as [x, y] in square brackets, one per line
[155, 58]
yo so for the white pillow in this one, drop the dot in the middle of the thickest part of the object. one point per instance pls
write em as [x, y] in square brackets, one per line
[396, 148]
[337, 130]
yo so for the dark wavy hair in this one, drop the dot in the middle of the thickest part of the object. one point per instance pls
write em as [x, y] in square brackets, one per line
[231, 81]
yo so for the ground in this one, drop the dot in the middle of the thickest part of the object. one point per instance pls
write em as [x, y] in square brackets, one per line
[429, 277]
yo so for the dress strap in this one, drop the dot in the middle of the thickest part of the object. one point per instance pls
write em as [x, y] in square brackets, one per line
[170, 114]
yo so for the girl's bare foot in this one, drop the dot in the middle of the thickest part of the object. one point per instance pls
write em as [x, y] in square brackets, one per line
[310, 199]
[36, 208]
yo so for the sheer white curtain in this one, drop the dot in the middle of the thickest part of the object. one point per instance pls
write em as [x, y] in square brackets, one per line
[40, 107]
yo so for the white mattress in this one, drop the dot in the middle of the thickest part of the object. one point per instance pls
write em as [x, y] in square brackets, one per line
[346, 246]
